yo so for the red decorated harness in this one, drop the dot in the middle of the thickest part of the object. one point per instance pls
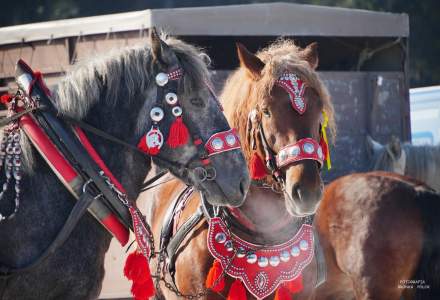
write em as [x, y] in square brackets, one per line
[262, 269]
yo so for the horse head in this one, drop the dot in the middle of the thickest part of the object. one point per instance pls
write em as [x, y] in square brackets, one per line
[285, 104]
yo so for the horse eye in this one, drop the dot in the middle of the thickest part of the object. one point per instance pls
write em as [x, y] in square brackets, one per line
[197, 102]
[266, 112]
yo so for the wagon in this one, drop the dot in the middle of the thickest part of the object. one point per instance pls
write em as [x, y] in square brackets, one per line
[363, 61]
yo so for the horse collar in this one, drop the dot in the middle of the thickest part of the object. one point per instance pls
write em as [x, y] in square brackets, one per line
[261, 269]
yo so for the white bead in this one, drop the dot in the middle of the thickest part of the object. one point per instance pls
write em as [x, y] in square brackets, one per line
[156, 114]
[161, 79]
[171, 98]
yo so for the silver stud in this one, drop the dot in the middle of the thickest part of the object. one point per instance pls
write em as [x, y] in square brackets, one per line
[171, 98]
[156, 114]
[231, 139]
[308, 148]
[241, 252]
[304, 245]
[229, 246]
[217, 144]
[294, 151]
[220, 237]
[295, 251]
[161, 79]
[320, 155]
[274, 261]
[263, 262]
[283, 155]
[285, 256]
[177, 111]
[251, 258]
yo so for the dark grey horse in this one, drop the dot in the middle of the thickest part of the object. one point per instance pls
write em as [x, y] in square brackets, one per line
[420, 162]
[114, 93]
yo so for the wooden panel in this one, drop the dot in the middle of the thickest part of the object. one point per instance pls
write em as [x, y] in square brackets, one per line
[47, 58]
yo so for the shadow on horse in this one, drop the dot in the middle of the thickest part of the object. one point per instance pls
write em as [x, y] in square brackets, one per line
[136, 95]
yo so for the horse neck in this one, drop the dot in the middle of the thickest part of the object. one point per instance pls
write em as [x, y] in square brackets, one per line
[128, 166]
[267, 213]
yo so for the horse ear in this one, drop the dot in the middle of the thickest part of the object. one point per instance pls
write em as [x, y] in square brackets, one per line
[310, 53]
[251, 62]
[373, 147]
[395, 146]
[160, 50]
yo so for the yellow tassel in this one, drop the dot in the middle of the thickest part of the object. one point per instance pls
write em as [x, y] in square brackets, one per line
[324, 136]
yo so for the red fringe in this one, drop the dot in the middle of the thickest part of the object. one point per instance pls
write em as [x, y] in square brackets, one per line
[179, 134]
[283, 293]
[257, 168]
[295, 286]
[237, 291]
[137, 269]
[214, 273]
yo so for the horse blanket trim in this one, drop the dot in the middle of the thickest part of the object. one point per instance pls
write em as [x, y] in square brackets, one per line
[261, 269]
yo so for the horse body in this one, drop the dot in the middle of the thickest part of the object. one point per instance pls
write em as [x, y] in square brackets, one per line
[114, 93]
[378, 231]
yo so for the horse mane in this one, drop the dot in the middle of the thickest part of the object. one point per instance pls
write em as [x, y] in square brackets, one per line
[130, 69]
[420, 158]
[278, 57]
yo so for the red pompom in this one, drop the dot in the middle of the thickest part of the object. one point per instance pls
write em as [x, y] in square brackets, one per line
[282, 293]
[294, 286]
[179, 134]
[257, 168]
[237, 291]
[5, 99]
[137, 269]
[214, 273]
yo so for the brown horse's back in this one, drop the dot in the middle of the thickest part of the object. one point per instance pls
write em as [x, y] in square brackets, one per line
[373, 230]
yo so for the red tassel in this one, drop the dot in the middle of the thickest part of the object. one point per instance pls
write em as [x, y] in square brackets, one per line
[237, 291]
[295, 286]
[214, 273]
[257, 168]
[179, 134]
[5, 99]
[283, 293]
[137, 269]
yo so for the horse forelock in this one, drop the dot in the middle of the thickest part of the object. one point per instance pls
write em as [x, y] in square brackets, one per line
[241, 94]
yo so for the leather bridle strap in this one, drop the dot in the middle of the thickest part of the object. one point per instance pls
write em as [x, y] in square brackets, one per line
[75, 215]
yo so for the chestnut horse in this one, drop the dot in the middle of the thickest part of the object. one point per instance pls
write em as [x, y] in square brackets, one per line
[284, 196]
[380, 233]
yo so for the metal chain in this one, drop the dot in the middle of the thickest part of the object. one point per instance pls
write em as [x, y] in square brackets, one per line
[159, 277]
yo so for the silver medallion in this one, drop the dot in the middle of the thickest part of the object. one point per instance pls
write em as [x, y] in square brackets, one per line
[241, 252]
[304, 245]
[171, 98]
[231, 139]
[251, 258]
[156, 114]
[229, 246]
[161, 79]
[263, 262]
[177, 111]
[295, 251]
[285, 256]
[274, 261]
[220, 237]
[308, 148]
[217, 144]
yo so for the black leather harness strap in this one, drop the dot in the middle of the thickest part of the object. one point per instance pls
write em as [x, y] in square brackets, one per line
[72, 220]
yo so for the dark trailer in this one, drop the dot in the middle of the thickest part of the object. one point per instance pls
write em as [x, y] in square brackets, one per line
[363, 56]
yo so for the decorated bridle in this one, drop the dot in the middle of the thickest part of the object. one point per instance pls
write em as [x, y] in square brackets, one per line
[178, 136]
[304, 149]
